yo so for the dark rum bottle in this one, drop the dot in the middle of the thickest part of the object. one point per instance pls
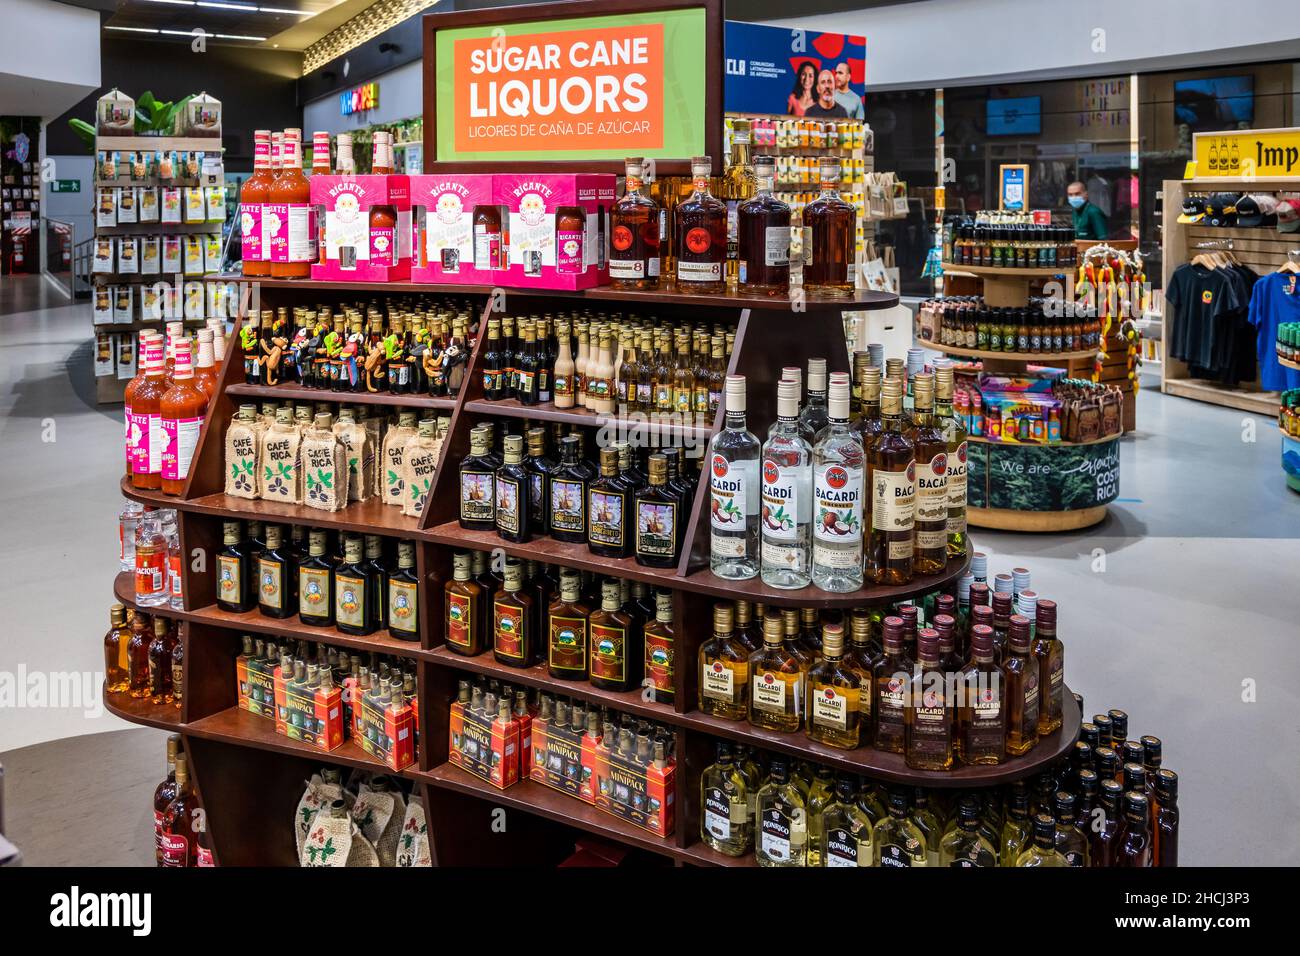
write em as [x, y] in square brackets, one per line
[465, 605]
[164, 794]
[610, 528]
[635, 234]
[539, 466]
[616, 652]
[477, 483]
[566, 631]
[511, 490]
[701, 235]
[354, 592]
[160, 661]
[316, 583]
[277, 576]
[1049, 655]
[892, 479]
[892, 673]
[930, 717]
[567, 511]
[493, 367]
[983, 713]
[513, 642]
[402, 605]
[660, 651]
[829, 228]
[930, 554]
[179, 839]
[764, 236]
[658, 512]
[1020, 678]
[235, 588]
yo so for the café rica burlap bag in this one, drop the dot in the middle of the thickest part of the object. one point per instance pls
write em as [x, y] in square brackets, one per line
[243, 454]
[355, 439]
[322, 789]
[413, 847]
[324, 467]
[334, 840]
[278, 477]
[420, 461]
[379, 811]
[391, 461]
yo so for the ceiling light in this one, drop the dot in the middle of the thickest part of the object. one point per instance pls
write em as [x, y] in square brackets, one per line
[197, 31]
[235, 36]
[177, 3]
[132, 29]
[227, 6]
[293, 13]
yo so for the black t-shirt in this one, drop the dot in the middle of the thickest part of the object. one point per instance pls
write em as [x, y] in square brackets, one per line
[1199, 297]
[823, 111]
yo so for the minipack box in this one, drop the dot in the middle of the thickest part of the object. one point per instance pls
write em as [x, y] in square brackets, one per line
[255, 687]
[639, 792]
[314, 717]
[483, 745]
[387, 732]
[559, 760]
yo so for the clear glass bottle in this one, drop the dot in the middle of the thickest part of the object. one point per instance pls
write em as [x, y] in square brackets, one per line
[834, 688]
[930, 522]
[965, 846]
[777, 681]
[1071, 842]
[128, 520]
[701, 234]
[815, 414]
[782, 838]
[844, 834]
[786, 513]
[1042, 851]
[724, 670]
[829, 228]
[837, 499]
[892, 478]
[763, 234]
[896, 840]
[734, 454]
[726, 821]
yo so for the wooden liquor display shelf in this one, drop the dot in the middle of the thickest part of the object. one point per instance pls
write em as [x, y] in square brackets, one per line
[1010, 272]
[1047, 444]
[1026, 357]
[293, 392]
[1285, 364]
[142, 711]
[668, 426]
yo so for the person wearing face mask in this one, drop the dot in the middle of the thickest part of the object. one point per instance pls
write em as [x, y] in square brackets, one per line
[1089, 221]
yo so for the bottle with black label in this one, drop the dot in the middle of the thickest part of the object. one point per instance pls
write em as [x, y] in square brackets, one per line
[983, 714]
[610, 527]
[567, 509]
[844, 837]
[493, 368]
[402, 611]
[316, 583]
[930, 719]
[566, 631]
[782, 838]
[378, 565]
[511, 489]
[235, 587]
[354, 590]
[477, 483]
[896, 840]
[616, 651]
[539, 466]
[277, 576]
[725, 821]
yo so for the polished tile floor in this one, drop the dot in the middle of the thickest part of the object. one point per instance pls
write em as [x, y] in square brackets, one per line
[1181, 608]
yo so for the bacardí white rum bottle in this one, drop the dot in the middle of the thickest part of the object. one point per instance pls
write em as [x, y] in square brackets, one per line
[733, 490]
[787, 496]
[837, 497]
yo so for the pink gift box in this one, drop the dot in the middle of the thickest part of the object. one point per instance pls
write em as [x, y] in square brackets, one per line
[538, 256]
[353, 249]
[442, 223]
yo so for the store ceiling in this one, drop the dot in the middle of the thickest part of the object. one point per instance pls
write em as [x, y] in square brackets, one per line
[248, 22]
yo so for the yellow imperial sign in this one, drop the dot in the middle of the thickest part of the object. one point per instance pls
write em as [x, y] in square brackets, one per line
[1241, 154]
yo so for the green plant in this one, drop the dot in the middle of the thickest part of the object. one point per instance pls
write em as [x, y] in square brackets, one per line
[152, 116]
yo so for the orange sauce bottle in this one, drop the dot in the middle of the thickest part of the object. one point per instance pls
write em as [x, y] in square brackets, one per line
[205, 370]
[182, 408]
[290, 203]
[128, 399]
[146, 420]
[383, 219]
[252, 196]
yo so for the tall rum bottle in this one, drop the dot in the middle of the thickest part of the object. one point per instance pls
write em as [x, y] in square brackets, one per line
[786, 513]
[829, 228]
[930, 552]
[837, 499]
[763, 237]
[734, 454]
[954, 435]
[1020, 678]
[635, 234]
[701, 235]
[893, 493]
[738, 184]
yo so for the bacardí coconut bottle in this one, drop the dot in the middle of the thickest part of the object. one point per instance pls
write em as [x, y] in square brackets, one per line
[837, 498]
[733, 490]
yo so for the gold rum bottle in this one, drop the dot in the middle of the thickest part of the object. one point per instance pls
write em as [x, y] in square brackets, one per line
[954, 435]
[724, 670]
[892, 464]
[776, 681]
[726, 823]
[931, 522]
[834, 716]
[1020, 678]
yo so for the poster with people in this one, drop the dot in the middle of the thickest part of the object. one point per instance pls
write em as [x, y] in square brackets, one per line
[777, 70]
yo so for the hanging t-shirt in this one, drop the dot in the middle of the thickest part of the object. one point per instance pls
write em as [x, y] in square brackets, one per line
[1199, 297]
[1274, 300]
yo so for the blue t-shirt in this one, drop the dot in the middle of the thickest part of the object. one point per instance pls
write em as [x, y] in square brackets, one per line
[1275, 299]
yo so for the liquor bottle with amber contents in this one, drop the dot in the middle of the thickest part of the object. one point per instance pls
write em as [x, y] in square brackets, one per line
[930, 525]
[635, 233]
[402, 607]
[983, 715]
[701, 236]
[160, 661]
[829, 227]
[1020, 678]
[834, 718]
[726, 824]
[465, 603]
[724, 670]
[567, 630]
[513, 642]
[954, 435]
[616, 652]
[117, 663]
[1049, 656]
[738, 184]
[164, 794]
[930, 718]
[763, 227]
[660, 650]
[777, 681]
[891, 477]
[892, 672]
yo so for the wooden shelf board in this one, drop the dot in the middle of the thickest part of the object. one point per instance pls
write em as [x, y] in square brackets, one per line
[1007, 519]
[1285, 364]
[485, 664]
[860, 300]
[141, 711]
[1005, 272]
[292, 391]
[535, 798]
[364, 517]
[239, 727]
[547, 412]
[1028, 358]
[1261, 403]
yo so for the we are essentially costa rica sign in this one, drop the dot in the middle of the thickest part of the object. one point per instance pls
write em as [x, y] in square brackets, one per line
[579, 88]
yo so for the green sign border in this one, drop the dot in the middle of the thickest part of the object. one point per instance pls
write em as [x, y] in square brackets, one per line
[685, 80]
[1042, 477]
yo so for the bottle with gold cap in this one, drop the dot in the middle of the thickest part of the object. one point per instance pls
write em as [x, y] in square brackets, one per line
[513, 642]
[892, 475]
[513, 517]
[777, 681]
[465, 604]
[610, 528]
[658, 518]
[860, 658]
[954, 435]
[724, 670]
[117, 666]
[617, 653]
[477, 483]
[930, 524]
[567, 647]
[661, 651]
[834, 715]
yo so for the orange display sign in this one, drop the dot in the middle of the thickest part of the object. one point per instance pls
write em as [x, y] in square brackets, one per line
[574, 90]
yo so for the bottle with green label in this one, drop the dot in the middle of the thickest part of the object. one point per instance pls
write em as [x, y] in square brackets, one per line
[616, 652]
